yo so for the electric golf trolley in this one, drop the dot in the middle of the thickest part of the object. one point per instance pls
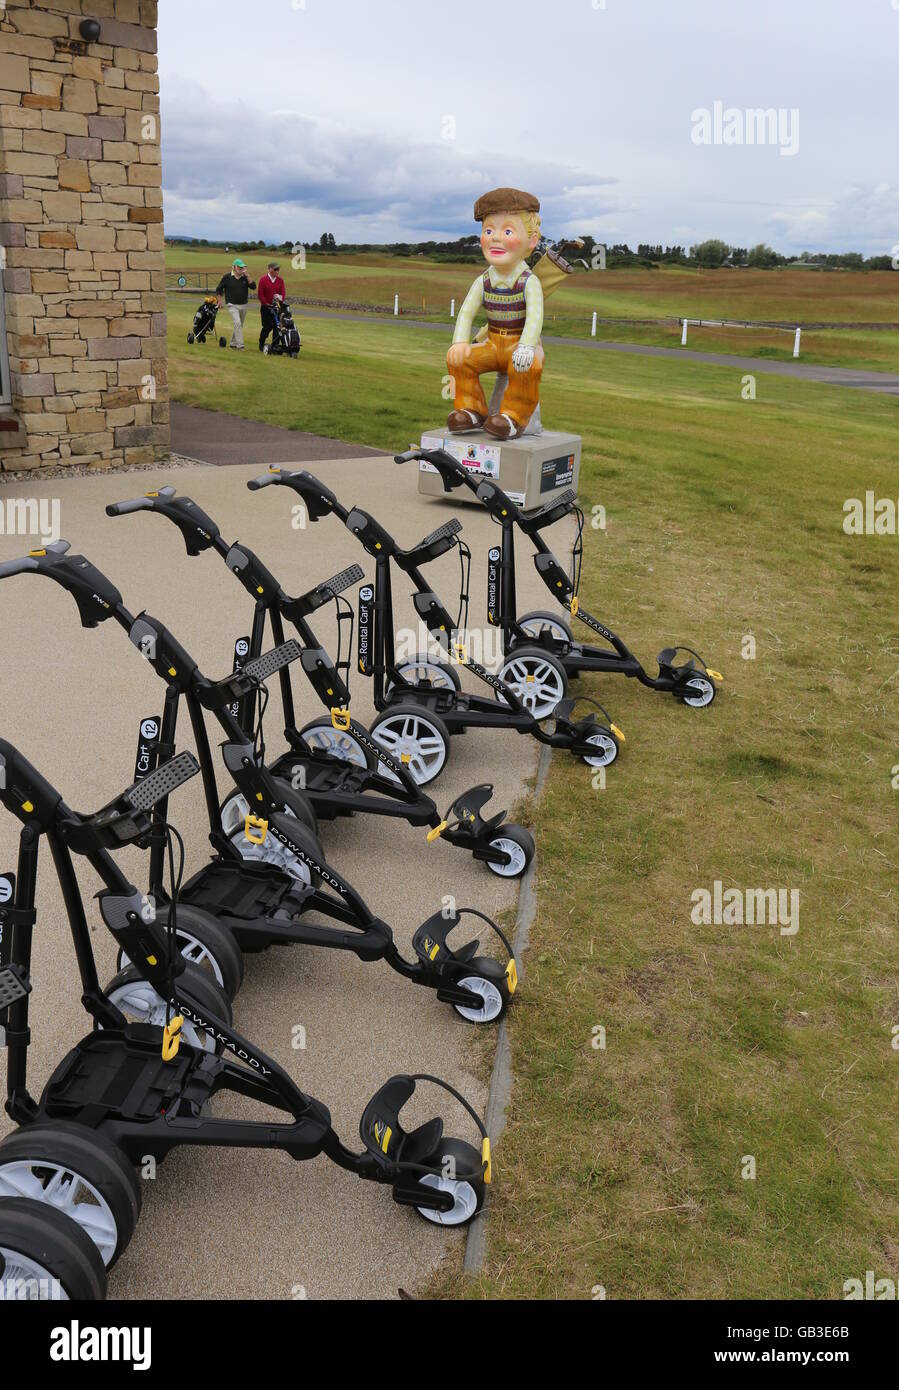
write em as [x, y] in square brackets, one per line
[335, 760]
[420, 701]
[691, 685]
[267, 901]
[126, 1091]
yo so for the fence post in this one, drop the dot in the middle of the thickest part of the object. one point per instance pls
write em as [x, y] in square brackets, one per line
[683, 339]
[796, 342]
[396, 305]
[593, 326]
[452, 308]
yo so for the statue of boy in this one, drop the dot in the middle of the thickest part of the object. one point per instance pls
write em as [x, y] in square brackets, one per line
[512, 296]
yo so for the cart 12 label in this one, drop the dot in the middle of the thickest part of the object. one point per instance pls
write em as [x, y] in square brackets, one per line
[147, 747]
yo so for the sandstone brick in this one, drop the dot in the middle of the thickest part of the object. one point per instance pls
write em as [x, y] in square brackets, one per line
[38, 165]
[129, 36]
[107, 175]
[67, 122]
[90, 68]
[79, 95]
[82, 147]
[19, 118]
[129, 436]
[145, 175]
[11, 186]
[41, 384]
[12, 234]
[138, 324]
[95, 238]
[62, 207]
[106, 127]
[145, 215]
[15, 74]
[86, 422]
[109, 349]
[40, 22]
[93, 445]
[61, 240]
[48, 282]
[73, 173]
[46, 84]
[42, 141]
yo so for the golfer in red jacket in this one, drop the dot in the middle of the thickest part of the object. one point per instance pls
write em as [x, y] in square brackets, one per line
[271, 291]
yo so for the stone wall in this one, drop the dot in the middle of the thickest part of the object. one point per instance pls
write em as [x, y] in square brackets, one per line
[81, 234]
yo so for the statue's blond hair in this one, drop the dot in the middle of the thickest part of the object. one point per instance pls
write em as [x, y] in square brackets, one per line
[531, 220]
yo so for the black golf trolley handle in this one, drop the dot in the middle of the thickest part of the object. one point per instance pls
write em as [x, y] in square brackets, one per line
[449, 468]
[320, 500]
[329, 589]
[199, 530]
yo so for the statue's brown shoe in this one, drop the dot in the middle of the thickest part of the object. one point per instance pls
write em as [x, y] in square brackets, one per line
[502, 427]
[461, 420]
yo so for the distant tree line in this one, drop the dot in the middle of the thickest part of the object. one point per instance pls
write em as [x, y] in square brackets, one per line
[712, 254]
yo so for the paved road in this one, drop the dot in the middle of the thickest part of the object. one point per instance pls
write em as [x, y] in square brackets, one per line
[216, 1223]
[887, 383]
[215, 437]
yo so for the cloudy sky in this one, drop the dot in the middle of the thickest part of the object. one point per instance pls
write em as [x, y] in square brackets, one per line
[382, 120]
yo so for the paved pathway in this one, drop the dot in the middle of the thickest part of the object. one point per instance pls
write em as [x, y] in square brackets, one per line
[215, 437]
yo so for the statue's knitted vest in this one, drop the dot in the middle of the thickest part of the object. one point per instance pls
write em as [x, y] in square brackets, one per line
[506, 308]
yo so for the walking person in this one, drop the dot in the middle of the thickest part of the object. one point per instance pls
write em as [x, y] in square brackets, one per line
[271, 291]
[234, 288]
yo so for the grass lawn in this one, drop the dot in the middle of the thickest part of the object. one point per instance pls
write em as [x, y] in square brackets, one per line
[426, 289]
[622, 1167]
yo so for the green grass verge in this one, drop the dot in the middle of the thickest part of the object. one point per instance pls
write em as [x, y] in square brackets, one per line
[622, 1166]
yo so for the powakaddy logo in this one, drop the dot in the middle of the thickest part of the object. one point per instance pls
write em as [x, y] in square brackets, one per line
[204, 1024]
[382, 1134]
[308, 860]
[431, 948]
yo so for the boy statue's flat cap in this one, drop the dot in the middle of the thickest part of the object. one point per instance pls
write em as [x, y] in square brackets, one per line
[505, 200]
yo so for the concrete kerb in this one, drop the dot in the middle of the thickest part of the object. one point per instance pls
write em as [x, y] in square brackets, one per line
[501, 1078]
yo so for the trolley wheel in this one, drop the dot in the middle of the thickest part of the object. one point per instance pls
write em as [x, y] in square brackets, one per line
[190, 337]
[698, 692]
[234, 813]
[46, 1257]
[518, 843]
[339, 743]
[204, 942]
[423, 668]
[486, 977]
[223, 342]
[559, 629]
[140, 1003]
[607, 748]
[538, 679]
[78, 1172]
[468, 1192]
[414, 736]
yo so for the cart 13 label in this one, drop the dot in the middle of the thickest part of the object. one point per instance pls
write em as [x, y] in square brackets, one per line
[241, 652]
[366, 602]
[147, 747]
[493, 559]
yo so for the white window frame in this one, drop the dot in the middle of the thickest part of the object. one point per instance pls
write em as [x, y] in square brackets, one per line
[5, 383]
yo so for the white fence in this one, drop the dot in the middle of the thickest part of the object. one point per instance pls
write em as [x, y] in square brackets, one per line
[740, 323]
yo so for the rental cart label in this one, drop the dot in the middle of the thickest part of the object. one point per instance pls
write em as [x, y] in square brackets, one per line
[364, 628]
[147, 747]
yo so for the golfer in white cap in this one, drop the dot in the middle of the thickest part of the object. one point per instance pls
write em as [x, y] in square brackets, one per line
[235, 288]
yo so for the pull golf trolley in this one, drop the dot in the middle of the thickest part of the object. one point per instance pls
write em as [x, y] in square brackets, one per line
[336, 762]
[420, 700]
[264, 903]
[128, 1092]
[524, 637]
